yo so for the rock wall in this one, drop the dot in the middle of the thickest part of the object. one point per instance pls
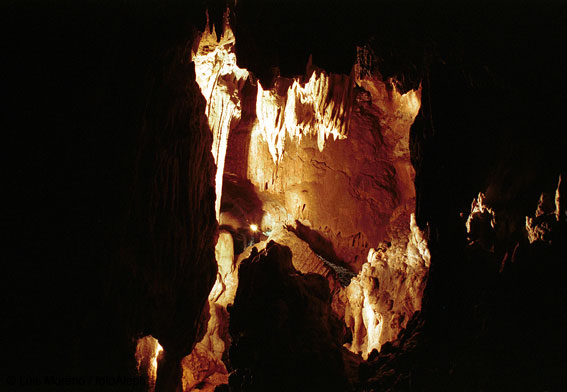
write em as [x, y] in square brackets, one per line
[354, 189]
[221, 82]
[167, 253]
[81, 283]
[115, 203]
[285, 335]
[205, 367]
[319, 163]
[383, 297]
[345, 192]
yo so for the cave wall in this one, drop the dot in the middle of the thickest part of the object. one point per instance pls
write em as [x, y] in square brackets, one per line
[326, 157]
[285, 335]
[490, 121]
[327, 150]
[338, 163]
[169, 257]
[112, 207]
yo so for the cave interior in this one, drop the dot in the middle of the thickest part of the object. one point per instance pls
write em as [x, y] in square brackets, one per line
[285, 195]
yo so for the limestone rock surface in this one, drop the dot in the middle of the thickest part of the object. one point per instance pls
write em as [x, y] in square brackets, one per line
[549, 212]
[319, 163]
[383, 297]
[205, 367]
[285, 335]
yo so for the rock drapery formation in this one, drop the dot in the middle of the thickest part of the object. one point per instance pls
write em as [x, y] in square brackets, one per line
[327, 156]
[352, 189]
[220, 81]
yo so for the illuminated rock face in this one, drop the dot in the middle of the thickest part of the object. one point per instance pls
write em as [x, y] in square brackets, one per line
[204, 367]
[166, 259]
[327, 157]
[356, 190]
[548, 213]
[481, 223]
[385, 294]
[148, 351]
[221, 82]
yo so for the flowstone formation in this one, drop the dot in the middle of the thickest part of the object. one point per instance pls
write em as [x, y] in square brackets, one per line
[319, 163]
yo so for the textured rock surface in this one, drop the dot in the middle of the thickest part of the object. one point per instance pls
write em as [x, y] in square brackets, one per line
[304, 259]
[285, 335]
[175, 187]
[168, 251]
[481, 223]
[383, 297]
[321, 164]
[354, 190]
[221, 82]
[492, 118]
[148, 351]
[205, 367]
[549, 213]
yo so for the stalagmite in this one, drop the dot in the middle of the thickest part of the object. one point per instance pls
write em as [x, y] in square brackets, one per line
[148, 351]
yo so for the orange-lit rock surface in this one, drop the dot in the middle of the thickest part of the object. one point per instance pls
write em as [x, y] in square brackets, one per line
[304, 258]
[481, 223]
[319, 163]
[388, 290]
[550, 210]
[220, 81]
[148, 351]
[204, 368]
[354, 188]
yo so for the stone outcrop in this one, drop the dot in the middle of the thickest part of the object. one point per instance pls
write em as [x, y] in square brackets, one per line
[549, 212]
[148, 351]
[221, 82]
[205, 367]
[383, 297]
[481, 223]
[319, 163]
[167, 250]
[285, 335]
[356, 188]
[304, 259]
